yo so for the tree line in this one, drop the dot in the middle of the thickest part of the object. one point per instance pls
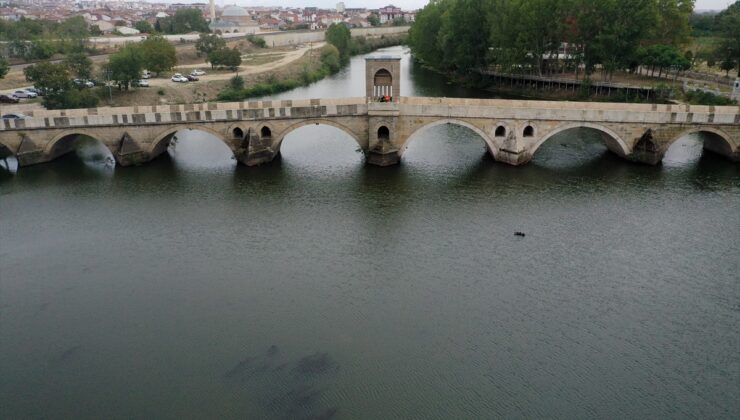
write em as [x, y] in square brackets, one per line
[544, 36]
[32, 39]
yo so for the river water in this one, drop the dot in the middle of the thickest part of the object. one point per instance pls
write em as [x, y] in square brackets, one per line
[318, 286]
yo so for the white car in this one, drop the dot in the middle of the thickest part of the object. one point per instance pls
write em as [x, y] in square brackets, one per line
[146, 75]
[24, 94]
[141, 83]
[179, 78]
[197, 72]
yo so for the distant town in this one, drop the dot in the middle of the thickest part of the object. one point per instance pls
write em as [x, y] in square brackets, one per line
[120, 18]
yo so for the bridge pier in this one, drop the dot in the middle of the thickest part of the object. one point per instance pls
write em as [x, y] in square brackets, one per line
[253, 149]
[128, 152]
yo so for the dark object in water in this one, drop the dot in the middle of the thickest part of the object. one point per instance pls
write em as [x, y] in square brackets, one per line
[316, 364]
[240, 370]
[520, 234]
[273, 350]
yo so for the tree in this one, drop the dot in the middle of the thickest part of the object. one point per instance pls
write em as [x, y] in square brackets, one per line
[208, 43]
[373, 20]
[236, 83]
[126, 65]
[79, 65]
[4, 67]
[729, 27]
[54, 80]
[158, 54]
[184, 21]
[225, 57]
[339, 36]
[671, 24]
[144, 27]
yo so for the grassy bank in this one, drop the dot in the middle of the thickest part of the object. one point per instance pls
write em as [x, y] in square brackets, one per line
[329, 63]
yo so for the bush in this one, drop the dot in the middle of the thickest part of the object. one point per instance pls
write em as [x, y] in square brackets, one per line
[160, 92]
[236, 83]
[257, 41]
[698, 97]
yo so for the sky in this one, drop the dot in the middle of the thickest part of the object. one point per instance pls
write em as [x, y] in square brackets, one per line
[404, 4]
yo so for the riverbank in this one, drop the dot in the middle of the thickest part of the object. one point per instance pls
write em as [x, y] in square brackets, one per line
[328, 63]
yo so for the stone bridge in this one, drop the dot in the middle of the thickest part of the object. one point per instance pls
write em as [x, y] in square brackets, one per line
[512, 130]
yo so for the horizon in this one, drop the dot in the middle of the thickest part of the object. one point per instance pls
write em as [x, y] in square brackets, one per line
[700, 5]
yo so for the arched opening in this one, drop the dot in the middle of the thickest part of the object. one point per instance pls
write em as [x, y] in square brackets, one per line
[528, 131]
[500, 131]
[85, 148]
[689, 147]
[384, 134]
[265, 132]
[447, 145]
[320, 148]
[8, 162]
[576, 146]
[194, 148]
[382, 84]
[238, 133]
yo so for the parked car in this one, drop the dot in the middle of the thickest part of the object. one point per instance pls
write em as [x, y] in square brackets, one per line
[83, 83]
[5, 99]
[13, 116]
[24, 94]
[38, 92]
[197, 72]
[179, 78]
[193, 78]
[141, 83]
[146, 75]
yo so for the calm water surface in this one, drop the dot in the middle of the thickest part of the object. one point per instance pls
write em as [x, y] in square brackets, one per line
[317, 286]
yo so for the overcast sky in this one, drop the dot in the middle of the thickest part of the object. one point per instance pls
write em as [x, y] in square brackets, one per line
[404, 4]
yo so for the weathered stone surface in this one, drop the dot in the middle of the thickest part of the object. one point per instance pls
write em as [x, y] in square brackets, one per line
[138, 134]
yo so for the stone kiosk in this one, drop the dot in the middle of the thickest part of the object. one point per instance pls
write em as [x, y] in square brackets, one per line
[383, 79]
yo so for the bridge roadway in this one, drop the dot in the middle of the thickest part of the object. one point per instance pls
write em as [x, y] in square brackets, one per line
[512, 130]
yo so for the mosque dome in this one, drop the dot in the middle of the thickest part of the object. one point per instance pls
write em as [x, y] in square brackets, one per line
[234, 11]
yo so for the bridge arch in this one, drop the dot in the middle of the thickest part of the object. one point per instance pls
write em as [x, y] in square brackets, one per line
[64, 142]
[162, 140]
[5, 151]
[714, 139]
[491, 145]
[612, 140]
[304, 123]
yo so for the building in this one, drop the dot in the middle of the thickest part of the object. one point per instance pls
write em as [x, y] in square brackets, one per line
[389, 13]
[235, 19]
[340, 7]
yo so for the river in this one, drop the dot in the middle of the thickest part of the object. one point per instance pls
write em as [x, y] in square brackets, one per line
[316, 286]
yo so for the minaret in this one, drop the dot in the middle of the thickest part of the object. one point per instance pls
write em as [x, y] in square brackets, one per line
[213, 12]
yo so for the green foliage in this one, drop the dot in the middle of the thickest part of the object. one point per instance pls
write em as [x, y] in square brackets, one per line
[158, 54]
[257, 41]
[126, 65]
[184, 21]
[698, 97]
[79, 65]
[525, 36]
[41, 39]
[207, 43]
[225, 57]
[340, 37]
[373, 20]
[4, 67]
[236, 83]
[61, 93]
[144, 27]
[729, 28]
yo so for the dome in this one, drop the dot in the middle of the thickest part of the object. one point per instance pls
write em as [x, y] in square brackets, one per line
[234, 11]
